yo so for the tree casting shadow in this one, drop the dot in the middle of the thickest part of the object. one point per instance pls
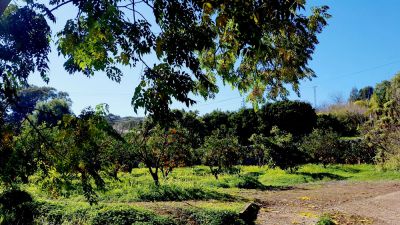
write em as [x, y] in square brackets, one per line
[321, 176]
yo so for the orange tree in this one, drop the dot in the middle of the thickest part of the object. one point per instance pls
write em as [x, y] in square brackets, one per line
[161, 150]
[221, 152]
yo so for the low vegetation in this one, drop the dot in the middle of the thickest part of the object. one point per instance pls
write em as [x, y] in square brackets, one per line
[187, 195]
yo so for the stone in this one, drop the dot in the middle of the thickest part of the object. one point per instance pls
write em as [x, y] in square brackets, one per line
[250, 212]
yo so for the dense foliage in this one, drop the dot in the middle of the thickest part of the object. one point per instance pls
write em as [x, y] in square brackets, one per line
[221, 153]
[159, 149]
[322, 146]
[383, 129]
[297, 118]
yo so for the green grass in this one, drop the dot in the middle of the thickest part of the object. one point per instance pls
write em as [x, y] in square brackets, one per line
[197, 183]
[189, 193]
[317, 173]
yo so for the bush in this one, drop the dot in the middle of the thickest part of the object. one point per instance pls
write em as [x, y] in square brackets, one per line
[221, 153]
[322, 146]
[110, 214]
[16, 207]
[327, 147]
[331, 122]
[351, 116]
[325, 220]
[297, 118]
[57, 214]
[282, 150]
[245, 122]
[259, 149]
[356, 151]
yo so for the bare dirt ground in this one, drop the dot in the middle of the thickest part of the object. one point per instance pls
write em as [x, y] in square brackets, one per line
[346, 202]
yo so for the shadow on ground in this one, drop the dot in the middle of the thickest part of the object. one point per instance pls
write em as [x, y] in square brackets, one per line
[346, 169]
[321, 176]
[250, 181]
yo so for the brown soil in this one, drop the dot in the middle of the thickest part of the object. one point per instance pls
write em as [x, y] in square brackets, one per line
[345, 202]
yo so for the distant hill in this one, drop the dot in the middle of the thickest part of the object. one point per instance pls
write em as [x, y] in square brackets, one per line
[123, 124]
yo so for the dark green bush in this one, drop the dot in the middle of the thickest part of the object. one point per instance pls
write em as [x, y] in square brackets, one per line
[221, 152]
[16, 207]
[297, 118]
[331, 122]
[125, 215]
[282, 151]
[101, 214]
[245, 122]
[322, 146]
[356, 150]
[327, 147]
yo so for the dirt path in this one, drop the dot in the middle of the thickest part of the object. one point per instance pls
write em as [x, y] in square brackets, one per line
[347, 202]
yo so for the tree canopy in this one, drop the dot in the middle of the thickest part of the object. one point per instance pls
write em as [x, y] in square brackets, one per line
[256, 46]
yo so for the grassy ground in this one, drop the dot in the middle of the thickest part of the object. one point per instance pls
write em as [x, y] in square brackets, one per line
[188, 194]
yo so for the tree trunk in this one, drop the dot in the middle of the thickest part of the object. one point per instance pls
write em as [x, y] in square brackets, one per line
[3, 5]
[155, 176]
[214, 172]
[216, 175]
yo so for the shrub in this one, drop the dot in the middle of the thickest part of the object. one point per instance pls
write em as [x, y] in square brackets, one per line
[322, 146]
[331, 122]
[282, 150]
[221, 153]
[350, 115]
[294, 117]
[161, 149]
[58, 214]
[16, 207]
[110, 214]
[356, 151]
[383, 129]
[259, 149]
[325, 220]
[245, 122]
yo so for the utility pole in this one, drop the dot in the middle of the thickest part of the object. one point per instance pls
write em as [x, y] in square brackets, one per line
[315, 96]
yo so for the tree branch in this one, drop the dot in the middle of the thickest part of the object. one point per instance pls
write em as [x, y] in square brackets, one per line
[58, 6]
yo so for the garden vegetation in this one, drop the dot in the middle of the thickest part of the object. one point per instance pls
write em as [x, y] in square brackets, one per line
[54, 162]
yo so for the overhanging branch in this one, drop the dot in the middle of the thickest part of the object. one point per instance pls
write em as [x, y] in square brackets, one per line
[3, 5]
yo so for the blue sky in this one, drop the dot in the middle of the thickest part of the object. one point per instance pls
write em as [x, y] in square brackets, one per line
[360, 47]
